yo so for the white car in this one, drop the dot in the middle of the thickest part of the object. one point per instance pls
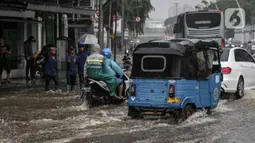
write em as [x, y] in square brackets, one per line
[238, 68]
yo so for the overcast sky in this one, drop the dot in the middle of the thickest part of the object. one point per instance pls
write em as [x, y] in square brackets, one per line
[161, 7]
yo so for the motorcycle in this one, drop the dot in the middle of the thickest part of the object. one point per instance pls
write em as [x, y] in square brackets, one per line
[97, 91]
[39, 61]
[126, 61]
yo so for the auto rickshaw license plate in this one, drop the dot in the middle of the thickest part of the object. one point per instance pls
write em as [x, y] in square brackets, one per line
[173, 100]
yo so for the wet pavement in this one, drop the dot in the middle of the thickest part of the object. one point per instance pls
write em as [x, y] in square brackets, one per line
[33, 115]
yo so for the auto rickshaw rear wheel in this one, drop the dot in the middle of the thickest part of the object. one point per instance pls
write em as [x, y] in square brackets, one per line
[182, 114]
[188, 111]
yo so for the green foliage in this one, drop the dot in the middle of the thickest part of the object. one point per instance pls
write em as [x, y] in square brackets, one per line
[132, 9]
[206, 5]
[247, 5]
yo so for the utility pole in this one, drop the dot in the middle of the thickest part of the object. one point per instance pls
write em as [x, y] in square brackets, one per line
[122, 24]
[115, 32]
[101, 24]
[110, 26]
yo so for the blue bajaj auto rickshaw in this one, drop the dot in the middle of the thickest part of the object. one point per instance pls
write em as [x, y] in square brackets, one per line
[174, 77]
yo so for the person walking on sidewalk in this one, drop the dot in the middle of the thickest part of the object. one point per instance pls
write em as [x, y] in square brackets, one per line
[5, 52]
[71, 69]
[82, 57]
[51, 69]
[29, 57]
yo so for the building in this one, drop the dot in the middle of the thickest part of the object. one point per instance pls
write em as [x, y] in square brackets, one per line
[47, 20]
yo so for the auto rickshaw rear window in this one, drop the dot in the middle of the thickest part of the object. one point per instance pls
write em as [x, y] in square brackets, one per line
[156, 66]
[153, 63]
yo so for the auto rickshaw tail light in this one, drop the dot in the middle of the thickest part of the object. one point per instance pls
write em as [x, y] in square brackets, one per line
[223, 43]
[171, 91]
[133, 89]
[226, 70]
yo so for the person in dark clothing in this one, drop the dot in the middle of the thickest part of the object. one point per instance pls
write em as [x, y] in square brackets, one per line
[82, 57]
[51, 69]
[71, 69]
[29, 57]
[44, 54]
[126, 61]
[5, 52]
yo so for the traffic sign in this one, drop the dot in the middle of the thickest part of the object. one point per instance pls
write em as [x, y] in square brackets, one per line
[235, 18]
[137, 19]
[126, 34]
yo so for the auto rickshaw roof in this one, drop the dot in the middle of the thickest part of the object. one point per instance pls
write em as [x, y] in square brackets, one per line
[174, 46]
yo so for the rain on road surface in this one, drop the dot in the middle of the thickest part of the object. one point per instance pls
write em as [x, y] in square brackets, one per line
[37, 116]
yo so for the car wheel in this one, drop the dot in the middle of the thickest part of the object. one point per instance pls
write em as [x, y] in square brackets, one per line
[240, 88]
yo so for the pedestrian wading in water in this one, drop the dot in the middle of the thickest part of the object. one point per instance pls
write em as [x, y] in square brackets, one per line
[51, 68]
[71, 69]
[82, 57]
[5, 52]
[29, 57]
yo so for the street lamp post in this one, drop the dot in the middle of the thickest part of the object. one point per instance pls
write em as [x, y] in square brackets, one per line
[122, 24]
[101, 26]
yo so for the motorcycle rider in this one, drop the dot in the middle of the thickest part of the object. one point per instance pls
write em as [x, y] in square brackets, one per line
[93, 69]
[112, 68]
[126, 61]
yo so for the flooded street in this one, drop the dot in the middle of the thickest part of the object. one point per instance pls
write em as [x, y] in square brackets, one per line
[37, 116]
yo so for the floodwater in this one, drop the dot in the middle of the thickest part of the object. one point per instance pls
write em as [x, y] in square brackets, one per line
[31, 116]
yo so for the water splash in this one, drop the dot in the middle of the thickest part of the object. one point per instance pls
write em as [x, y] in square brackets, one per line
[249, 94]
[222, 107]
[45, 121]
[198, 118]
[54, 92]
[82, 107]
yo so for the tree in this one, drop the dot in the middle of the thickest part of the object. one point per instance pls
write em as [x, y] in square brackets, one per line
[205, 5]
[247, 5]
[133, 9]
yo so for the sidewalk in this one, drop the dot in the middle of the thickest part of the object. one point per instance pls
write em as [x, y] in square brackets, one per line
[19, 84]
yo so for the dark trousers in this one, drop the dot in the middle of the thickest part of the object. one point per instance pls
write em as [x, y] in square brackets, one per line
[48, 78]
[4, 64]
[71, 80]
[30, 69]
[81, 78]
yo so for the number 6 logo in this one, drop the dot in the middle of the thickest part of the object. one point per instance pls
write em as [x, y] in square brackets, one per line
[234, 18]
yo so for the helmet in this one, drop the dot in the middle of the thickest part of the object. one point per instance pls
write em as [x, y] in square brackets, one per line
[107, 53]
